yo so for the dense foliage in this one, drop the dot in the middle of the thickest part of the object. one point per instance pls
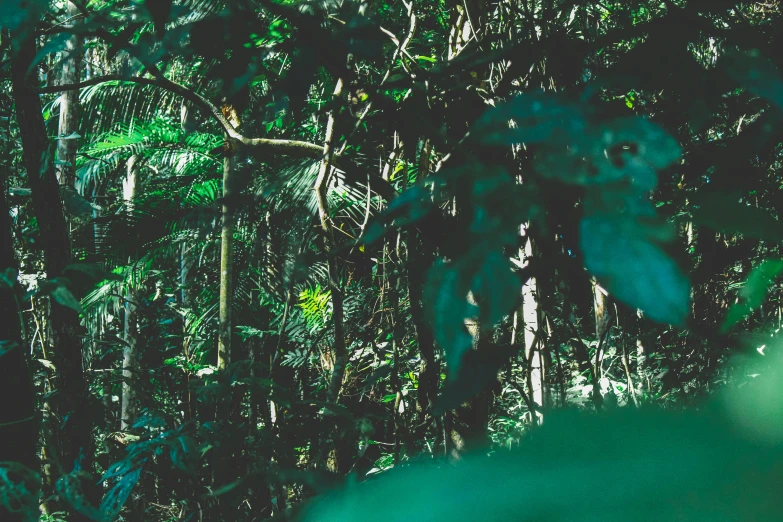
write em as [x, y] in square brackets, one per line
[389, 259]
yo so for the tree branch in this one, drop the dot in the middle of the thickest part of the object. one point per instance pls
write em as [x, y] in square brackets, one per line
[288, 147]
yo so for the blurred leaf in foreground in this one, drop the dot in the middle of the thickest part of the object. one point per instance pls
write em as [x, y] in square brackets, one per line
[640, 465]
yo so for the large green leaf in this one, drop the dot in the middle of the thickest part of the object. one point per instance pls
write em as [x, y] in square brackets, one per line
[116, 497]
[497, 286]
[16, 14]
[633, 268]
[446, 298]
[530, 118]
[632, 465]
[756, 73]
[485, 273]
[628, 149]
[754, 292]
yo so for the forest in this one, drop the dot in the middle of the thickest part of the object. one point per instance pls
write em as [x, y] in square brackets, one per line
[391, 260]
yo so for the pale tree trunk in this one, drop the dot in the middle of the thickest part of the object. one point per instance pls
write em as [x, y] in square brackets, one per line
[226, 259]
[602, 304]
[339, 354]
[68, 144]
[72, 440]
[18, 420]
[130, 352]
[186, 260]
[223, 458]
[527, 319]
[186, 264]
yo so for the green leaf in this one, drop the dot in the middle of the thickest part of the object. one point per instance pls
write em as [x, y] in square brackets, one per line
[64, 297]
[756, 73]
[530, 118]
[21, 488]
[184, 454]
[8, 278]
[634, 269]
[754, 291]
[678, 462]
[725, 213]
[446, 298]
[497, 287]
[116, 497]
[15, 14]
[629, 149]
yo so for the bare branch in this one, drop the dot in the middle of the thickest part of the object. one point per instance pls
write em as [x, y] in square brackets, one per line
[288, 147]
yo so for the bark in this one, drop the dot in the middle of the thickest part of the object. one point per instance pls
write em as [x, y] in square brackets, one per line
[72, 440]
[339, 350]
[69, 106]
[602, 304]
[533, 333]
[130, 352]
[226, 259]
[421, 256]
[186, 264]
[339, 353]
[18, 420]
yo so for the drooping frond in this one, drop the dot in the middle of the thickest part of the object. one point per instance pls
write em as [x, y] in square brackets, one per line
[160, 145]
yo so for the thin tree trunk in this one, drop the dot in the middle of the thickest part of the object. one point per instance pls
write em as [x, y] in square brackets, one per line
[603, 321]
[339, 351]
[420, 257]
[130, 352]
[528, 320]
[68, 144]
[18, 420]
[72, 440]
[186, 264]
[321, 186]
[226, 259]
[223, 457]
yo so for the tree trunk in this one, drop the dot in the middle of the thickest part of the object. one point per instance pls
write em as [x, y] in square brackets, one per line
[420, 258]
[339, 351]
[603, 322]
[18, 420]
[130, 352]
[68, 144]
[533, 333]
[226, 259]
[72, 439]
